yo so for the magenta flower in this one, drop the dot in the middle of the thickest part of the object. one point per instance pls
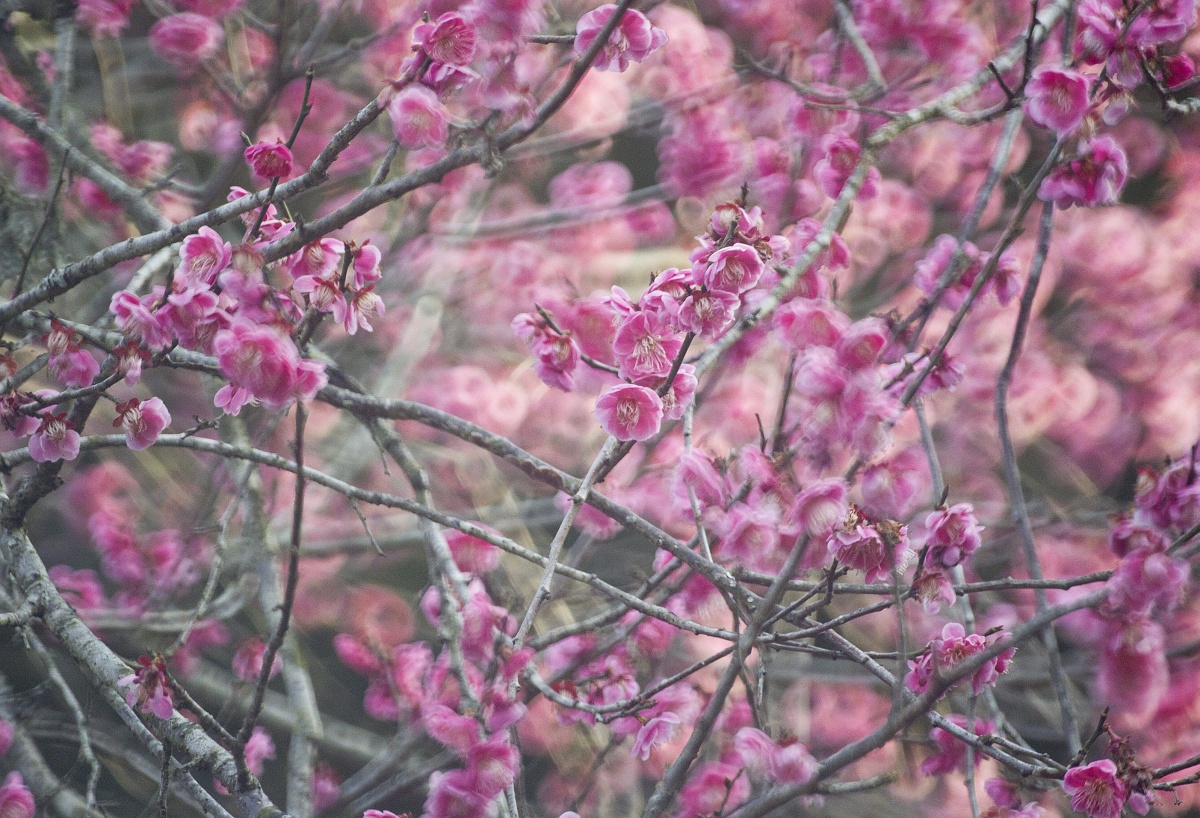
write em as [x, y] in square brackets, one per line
[658, 730]
[629, 412]
[203, 256]
[1094, 177]
[708, 313]
[953, 535]
[16, 801]
[136, 318]
[933, 590]
[149, 687]
[55, 439]
[263, 364]
[635, 38]
[268, 161]
[186, 40]
[557, 353]
[448, 39]
[951, 752]
[1096, 790]
[954, 647]
[419, 119]
[873, 549]
[142, 421]
[1147, 580]
[837, 165]
[1057, 98]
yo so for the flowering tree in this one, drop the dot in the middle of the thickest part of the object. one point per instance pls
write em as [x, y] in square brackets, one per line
[513, 408]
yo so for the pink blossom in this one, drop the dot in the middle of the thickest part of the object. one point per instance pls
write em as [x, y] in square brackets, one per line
[708, 313]
[319, 259]
[324, 294]
[1146, 581]
[1057, 98]
[953, 535]
[645, 346]
[418, 118]
[248, 660]
[951, 752]
[629, 412]
[264, 364]
[142, 421]
[268, 161]
[366, 265]
[104, 18]
[676, 399]
[149, 687]
[186, 40]
[834, 169]
[861, 344]
[16, 801]
[326, 786]
[454, 794]
[804, 322]
[456, 731]
[136, 317]
[379, 813]
[1093, 177]
[75, 367]
[557, 353]
[471, 554]
[635, 38]
[55, 439]
[821, 506]
[1133, 674]
[952, 648]
[933, 590]
[6, 737]
[1096, 790]
[203, 256]
[493, 765]
[712, 787]
[872, 549]
[735, 269]
[448, 39]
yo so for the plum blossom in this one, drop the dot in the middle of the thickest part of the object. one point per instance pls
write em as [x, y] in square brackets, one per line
[556, 352]
[149, 688]
[735, 269]
[834, 169]
[269, 161]
[953, 535]
[1057, 98]
[419, 119]
[952, 752]
[142, 421]
[449, 39]
[629, 412]
[16, 801]
[262, 364]
[645, 346]
[55, 439]
[874, 549]
[1096, 790]
[952, 648]
[1093, 177]
[186, 40]
[635, 38]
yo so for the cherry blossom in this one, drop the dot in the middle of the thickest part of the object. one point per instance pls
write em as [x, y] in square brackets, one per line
[634, 39]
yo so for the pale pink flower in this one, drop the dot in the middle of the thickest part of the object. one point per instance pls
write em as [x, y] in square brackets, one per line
[1057, 98]
[186, 40]
[142, 421]
[269, 161]
[634, 38]
[659, 730]
[418, 118]
[55, 439]
[645, 346]
[821, 506]
[1096, 790]
[933, 590]
[735, 268]
[248, 660]
[448, 39]
[16, 801]
[358, 309]
[629, 412]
